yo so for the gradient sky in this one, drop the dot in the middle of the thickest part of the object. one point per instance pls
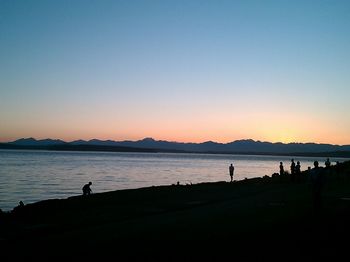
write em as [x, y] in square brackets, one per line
[175, 70]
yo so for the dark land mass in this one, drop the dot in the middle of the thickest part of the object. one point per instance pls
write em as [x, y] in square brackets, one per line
[110, 148]
[247, 146]
[340, 154]
[92, 148]
[261, 219]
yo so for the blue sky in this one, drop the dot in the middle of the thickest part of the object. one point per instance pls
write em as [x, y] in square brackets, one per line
[175, 70]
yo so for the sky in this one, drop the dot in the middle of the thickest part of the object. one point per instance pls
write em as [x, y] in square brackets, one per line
[187, 71]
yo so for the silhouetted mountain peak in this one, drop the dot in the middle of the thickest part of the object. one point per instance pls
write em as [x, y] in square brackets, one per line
[148, 139]
[34, 142]
[209, 143]
[243, 141]
[79, 141]
[238, 146]
[95, 140]
[21, 140]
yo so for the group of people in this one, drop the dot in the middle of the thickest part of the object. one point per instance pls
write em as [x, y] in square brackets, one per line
[316, 176]
[295, 170]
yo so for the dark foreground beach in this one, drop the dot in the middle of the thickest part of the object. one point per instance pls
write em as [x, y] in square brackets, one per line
[261, 219]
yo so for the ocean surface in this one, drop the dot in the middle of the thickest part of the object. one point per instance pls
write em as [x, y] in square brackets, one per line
[31, 176]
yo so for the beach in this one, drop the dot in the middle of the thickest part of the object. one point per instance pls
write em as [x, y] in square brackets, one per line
[33, 175]
[260, 218]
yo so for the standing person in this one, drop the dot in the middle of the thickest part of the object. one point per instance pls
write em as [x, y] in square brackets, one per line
[328, 166]
[231, 169]
[337, 170]
[298, 172]
[292, 170]
[317, 181]
[327, 163]
[86, 189]
[281, 169]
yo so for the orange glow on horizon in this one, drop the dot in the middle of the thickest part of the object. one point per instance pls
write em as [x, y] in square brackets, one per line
[212, 126]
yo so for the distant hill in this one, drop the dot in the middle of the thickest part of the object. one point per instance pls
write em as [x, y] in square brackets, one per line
[248, 146]
[242, 146]
[33, 142]
[70, 147]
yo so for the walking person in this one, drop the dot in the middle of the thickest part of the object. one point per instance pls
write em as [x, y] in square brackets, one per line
[231, 170]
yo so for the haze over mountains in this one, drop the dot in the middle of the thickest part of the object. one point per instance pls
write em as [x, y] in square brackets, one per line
[238, 146]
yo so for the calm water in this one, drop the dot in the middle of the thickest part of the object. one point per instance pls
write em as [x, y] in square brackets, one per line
[31, 176]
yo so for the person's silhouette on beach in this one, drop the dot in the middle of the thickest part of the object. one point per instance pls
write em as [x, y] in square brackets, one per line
[231, 170]
[292, 170]
[327, 163]
[298, 172]
[317, 181]
[19, 208]
[337, 169]
[281, 169]
[86, 189]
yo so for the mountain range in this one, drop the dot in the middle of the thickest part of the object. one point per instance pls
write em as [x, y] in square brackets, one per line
[247, 146]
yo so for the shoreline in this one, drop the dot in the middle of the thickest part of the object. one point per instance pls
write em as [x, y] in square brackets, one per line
[258, 212]
[112, 149]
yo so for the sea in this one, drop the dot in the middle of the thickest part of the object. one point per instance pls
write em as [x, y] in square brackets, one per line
[34, 175]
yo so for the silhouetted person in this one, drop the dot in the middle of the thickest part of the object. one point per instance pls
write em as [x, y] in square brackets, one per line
[19, 208]
[86, 189]
[337, 170]
[281, 169]
[327, 163]
[298, 172]
[317, 181]
[308, 172]
[231, 170]
[292, 170]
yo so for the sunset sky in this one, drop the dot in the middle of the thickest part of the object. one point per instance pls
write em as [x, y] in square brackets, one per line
[175, 70]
